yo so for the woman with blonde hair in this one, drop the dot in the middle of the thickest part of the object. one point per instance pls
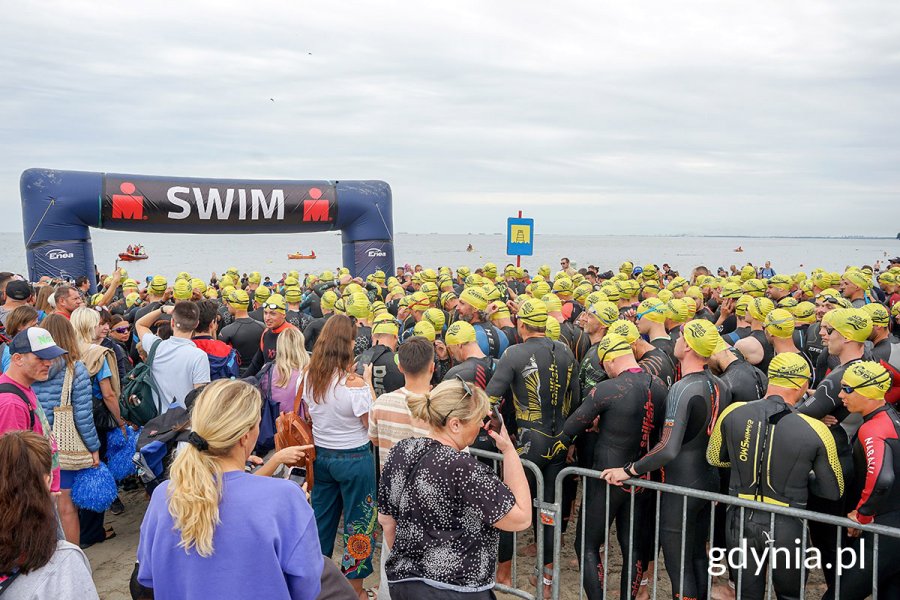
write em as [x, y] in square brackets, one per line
[432, 485]
[104, 375]
[50, 392]
[339, 402]
[214, 531]
[283, 378]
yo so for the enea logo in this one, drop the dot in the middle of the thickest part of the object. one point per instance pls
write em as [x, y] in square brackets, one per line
[316, 209]
[58, 254]
[375, 252]
[127, 206]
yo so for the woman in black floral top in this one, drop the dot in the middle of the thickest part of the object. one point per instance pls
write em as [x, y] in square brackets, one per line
[442, 511]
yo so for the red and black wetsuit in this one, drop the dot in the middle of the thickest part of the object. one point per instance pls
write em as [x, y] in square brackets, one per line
[876, 497]
[266, 351]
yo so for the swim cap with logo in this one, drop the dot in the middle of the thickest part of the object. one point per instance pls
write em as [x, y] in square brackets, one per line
[868, 378]
[261, 293]
[804, 312]
[186, 275]
[544, 271]
[291, 281]
[533, 312]
[327, 276]
[293, 294]
[563, 285]
[490, 270]
[651, 285]
[604, 311]
[787, 302]
[611, 290]
[340, 307]
[626, 268]
[275, 302]
[424, 329]
[747, 272]
[858, 278]
[701, 336]
[554, 304]
[595, 297]
[377, 308]
[199, 285]
[677, 283]
[552, 329]
[754, 287]
[678, 310]
[130, 284]
[650, 271]
[458, 333]
[474, 296]
[652, 309]
[782, 282]
[760, 307]
[612, 346]
[852, 323]
[789, 370]
[447, 297]
[779, 323]
[357, 305]
[664, 295]
[419, 301]
[463, 272]
[132, 299]
[436, 317]
[491, 293]
[182, 290]
[328, 300]
[238, 298]
[385, 327]
[428, 275]
[731, 290]
[626, 329]
[501, 312]
[158, 285]
[378, 276]
[878, 313]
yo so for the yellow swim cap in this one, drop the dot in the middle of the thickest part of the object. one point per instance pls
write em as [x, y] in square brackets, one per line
[463, 272]
[420, 301]
[158, 285]
[377, 308]
[652, 309]
[677, 283]
[533, 312]
[852, 323]
[435, 316]
[293, 294]
[186, 275]
[626, 329]
[129, 284]
[489, 270]
[779, 323]
[424, 329]
[261, 293]
[327, 276]
[759, 308]
[501, 312]
[754, 287]
[474, 296]
[747, 272]
[385, 327]
[782, 282]
[275, 302]
[199, 285]
[329, 299]
[868, 378]
[678, 310]
[701, 336]
[804, 312]
[554, 304]
[605, 312]
[238, 298]
[459, 333]
[95, 299]
[447, 297]
[132, 299]
[789, 370]
[182, 290]
[665, 295]
[357, 305]
[491, 292]
[612, 346]
[563, 285]
[254, 277]
[878, 313]
[595, 297]
[858, 278]
[552, 329]
[544, 271]
[787, 302]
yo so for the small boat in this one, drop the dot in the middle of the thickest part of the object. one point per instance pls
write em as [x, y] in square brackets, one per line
[738, 249]
[128, 256]
[301, 256]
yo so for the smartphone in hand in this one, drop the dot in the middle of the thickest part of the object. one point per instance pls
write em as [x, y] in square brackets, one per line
[297, 475]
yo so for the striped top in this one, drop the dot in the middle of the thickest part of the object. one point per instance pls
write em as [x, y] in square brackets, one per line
[390, 421]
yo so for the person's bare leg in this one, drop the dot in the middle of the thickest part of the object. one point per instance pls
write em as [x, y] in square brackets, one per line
[358, 588]
[644, 591]
[68, 517]
[504, 572]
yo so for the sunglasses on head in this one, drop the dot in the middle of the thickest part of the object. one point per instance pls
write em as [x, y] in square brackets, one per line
[273, 307]
[468, 392]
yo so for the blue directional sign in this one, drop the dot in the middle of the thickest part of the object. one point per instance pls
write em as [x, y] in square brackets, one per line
[519, 237]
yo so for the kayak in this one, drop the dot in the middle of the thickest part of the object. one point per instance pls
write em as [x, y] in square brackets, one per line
[298, 256]
[128, 257]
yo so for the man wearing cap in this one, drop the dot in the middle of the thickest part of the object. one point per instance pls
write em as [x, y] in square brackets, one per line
[293, 297]
[18, 293]
[692, 405]
[874, 495]
[756, 347]
[471, 307]
[854, 285]
[274, 319]
[326, 306]
[259, 298]
[31, 353]
[628, 410]
[771, 450]
[574, 337]
[595, 320]
[882, 341]
[244, 333]
[540, 378]
[386, 375]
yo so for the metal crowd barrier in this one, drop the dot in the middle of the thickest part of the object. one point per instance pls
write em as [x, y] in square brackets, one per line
[547, 512]
[805, 517]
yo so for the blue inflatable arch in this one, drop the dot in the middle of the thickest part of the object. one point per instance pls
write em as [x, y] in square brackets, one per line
[60, 207]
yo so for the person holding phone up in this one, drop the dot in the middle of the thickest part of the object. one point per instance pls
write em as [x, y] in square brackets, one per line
[430, 485]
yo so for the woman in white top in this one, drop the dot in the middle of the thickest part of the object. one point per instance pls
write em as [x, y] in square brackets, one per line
[339, 401]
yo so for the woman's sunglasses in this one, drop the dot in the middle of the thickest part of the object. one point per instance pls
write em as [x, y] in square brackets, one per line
[121, 329]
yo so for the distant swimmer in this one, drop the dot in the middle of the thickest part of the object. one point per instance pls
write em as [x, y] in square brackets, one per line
[739, 249]
[470, 248]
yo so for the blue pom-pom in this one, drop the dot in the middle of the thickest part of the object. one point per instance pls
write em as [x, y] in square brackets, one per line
[121, 451]
[94, 488]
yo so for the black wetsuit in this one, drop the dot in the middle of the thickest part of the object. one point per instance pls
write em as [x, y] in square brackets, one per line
[875, 496]
[363, 340]
[257, 315]
[630, 409]
[768, 349]
[814, 347]
[312, 331]
[745, 382]
[540, 377]
[882, 350]
[298, 319]
[591, 371]
[738, 333]
[243, 335]
[386, 375]
[575, 338]
[668, 346]
[511, 334]
[657, 362]
[225, 317]
[692, 405]
[479, 371]
[771, 450]
[267, 346]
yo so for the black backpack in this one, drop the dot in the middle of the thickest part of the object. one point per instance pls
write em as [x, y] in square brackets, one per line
[140, 400]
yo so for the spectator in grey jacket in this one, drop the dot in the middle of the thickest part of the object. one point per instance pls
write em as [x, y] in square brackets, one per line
[33, 563]
[49, 393]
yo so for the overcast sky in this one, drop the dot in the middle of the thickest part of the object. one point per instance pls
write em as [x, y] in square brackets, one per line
[625, 117]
